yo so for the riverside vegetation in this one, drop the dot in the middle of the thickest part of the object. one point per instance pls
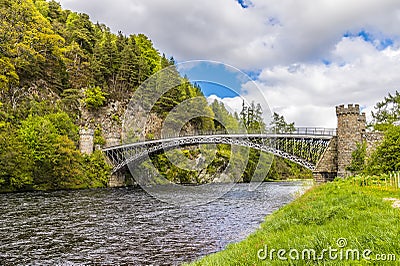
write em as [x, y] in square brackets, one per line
[56, 64]
[56, 67]
[318, 220]
[359, 213]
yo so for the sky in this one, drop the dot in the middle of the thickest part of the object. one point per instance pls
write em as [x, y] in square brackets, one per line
[305, 56]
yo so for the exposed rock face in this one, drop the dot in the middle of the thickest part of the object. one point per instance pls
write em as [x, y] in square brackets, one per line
[203, 177]
[107, 120]
[140, 125]
[222, 178]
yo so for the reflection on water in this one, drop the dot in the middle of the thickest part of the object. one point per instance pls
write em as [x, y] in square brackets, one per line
[127, 226]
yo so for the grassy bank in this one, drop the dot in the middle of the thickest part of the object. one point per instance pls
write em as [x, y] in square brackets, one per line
[341, 217]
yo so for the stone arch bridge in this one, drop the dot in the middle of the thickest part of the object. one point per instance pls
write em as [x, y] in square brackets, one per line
[327, 152]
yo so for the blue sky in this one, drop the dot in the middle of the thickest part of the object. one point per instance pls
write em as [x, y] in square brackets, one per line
[380, 42]
[211, 88]
[215, 78]
[305, 56]
[245, 3]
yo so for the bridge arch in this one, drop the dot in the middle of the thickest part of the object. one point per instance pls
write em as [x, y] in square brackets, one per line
[302, 149]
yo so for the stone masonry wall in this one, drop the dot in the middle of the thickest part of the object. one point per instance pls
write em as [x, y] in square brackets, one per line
[326, 168]
[86, 137]
[373, 139]
[350, 130]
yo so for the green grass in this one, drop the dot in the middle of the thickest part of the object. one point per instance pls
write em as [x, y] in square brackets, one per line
[316, 220]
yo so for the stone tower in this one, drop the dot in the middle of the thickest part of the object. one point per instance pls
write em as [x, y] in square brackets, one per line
[86, 140]
[350, 131]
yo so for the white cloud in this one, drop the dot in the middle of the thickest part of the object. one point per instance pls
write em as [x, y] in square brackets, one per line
[286, 40]
[233, 104]
[307, 93]
[222, 30]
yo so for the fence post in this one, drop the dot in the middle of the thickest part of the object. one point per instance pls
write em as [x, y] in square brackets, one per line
[398, 180]
[385, 182]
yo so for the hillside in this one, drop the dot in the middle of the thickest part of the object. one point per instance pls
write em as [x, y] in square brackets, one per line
[60, 72]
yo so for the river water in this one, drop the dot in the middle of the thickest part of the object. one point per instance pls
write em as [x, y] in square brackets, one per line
[128, 226]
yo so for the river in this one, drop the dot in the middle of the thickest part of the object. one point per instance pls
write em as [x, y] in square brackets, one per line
[128, 226]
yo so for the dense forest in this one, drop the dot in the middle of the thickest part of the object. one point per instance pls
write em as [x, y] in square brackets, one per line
[59, 71]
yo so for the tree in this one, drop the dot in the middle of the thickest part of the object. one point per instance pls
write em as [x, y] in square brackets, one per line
[30, 53]
[77, 65]
[94, 97]
[358, 157]
[224, 121]
[57, 164]
[16, 165]
[97, 170]
[251, 118]
[387, 111]
[149, 54]
[80, 30]
[386, 156]
[128, 78]
[279, 125]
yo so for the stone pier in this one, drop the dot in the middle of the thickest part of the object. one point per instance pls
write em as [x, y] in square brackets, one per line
[86, 140]
[117, 179]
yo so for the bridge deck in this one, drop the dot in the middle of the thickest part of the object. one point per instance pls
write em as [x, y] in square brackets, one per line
[299, 147]
[233, 136]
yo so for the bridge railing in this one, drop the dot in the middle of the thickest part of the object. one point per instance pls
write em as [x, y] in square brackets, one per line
[312, 131]
[315, 131]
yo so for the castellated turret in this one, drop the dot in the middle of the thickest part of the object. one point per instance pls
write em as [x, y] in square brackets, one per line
[350, 131]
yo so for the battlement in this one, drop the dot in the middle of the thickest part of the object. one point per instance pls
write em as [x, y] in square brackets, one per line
[362, 118]
[349, 110]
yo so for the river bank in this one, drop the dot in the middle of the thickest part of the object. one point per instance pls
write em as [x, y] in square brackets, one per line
[331, 224]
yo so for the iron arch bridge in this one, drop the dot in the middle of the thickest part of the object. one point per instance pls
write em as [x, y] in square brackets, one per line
[303, 146]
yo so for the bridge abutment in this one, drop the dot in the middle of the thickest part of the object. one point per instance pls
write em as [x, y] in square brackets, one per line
[327, 166]
[117, 179]
[86, 140]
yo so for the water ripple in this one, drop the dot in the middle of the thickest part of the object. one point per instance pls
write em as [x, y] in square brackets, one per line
[127, 226]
